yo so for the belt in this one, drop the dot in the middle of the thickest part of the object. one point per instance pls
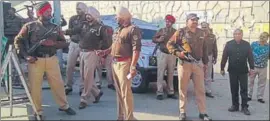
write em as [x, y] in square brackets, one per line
[119, 59]
[44, 55]
[87, 50]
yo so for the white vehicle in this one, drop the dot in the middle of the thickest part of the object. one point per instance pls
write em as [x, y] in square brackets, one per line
[147, 64]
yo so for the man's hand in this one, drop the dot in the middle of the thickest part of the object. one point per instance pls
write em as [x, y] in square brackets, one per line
[133, 73]
[181, 54]
[161, 38]
[48, 43]
[31, 59]
[222, 72]
[251, 71]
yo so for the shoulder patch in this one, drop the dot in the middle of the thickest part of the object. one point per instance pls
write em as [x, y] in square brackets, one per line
[135, 37]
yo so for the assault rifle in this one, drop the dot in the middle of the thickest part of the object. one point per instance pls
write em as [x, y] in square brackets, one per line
[188, 56]
[35, 46]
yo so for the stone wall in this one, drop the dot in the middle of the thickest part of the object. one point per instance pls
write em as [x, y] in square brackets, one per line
[224, 16]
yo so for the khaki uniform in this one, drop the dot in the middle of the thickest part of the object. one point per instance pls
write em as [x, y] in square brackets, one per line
[29, 35]
[125, 41]
[165, 61]
[108, 66]
[190, 70]
[74, 50]
[94, 37]
[212, 54]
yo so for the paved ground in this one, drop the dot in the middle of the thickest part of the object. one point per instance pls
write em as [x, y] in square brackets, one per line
[148, 108]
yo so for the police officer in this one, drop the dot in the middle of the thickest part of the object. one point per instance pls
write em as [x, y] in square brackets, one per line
[94, 37]
[74, 50]
[212, 57]
[165, 60]
[12, 25]
[192, 39]
[125, 51]
[105, 61]
[43, 59]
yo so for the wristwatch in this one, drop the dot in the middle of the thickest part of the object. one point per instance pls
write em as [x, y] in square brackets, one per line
[132, 67]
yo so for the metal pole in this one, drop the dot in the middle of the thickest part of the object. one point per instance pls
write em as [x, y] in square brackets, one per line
[1, 27]
[57, 12]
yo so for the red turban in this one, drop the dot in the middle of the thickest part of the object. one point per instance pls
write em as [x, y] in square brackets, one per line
[42, 7]
[170, 18]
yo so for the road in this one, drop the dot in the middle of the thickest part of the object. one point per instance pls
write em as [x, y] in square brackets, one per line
[148, 108]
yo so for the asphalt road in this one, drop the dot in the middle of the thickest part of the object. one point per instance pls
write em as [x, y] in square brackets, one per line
[148, 108]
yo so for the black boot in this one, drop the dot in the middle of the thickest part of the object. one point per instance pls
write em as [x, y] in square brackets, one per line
[261, 101]
[173, 96]
[209, 95]
[68, 90]
[68, 111]
[160, 97]
[245, 111]
[98, 97]
[233, 108]
[205, 117]
[182, 117]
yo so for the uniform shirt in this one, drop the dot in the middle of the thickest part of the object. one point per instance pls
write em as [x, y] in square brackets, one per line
[261, 54]
[75, 21]
[211, 45]
[32, 32]
[12, 25]
[125, 41]
[92, 37]
[167, 33]
[195, 40]
[239, 55]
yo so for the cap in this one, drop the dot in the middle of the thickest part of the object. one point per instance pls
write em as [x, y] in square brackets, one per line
[192, 16]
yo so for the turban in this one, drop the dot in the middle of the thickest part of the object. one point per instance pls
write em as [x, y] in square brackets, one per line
[82, 6]
[170, 18]
[93, 12]
[42, 7]
[123, 13]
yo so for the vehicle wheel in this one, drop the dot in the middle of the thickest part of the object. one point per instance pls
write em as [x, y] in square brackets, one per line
[140, 82]
[175, 83]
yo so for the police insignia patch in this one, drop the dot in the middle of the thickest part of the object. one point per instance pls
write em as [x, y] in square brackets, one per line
[135, 37]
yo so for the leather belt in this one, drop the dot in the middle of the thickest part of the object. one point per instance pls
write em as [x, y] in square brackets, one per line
[120, 59]
[45, 55]
[87, 50]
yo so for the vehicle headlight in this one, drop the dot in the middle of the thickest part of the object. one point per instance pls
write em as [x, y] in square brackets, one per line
[152, 61]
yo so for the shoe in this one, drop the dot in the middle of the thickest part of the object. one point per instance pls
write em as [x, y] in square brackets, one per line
[249, 99]
[40, 116]
[68, 90]
[233, 109]
[209, 95]
[99, 86]
[97, 98]
[245, 111]
[205, 117]
[182, 116]
[82, 105]
[111, 86]
[261, 101]
[160, 97]
[172, 96]
[68, 111]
